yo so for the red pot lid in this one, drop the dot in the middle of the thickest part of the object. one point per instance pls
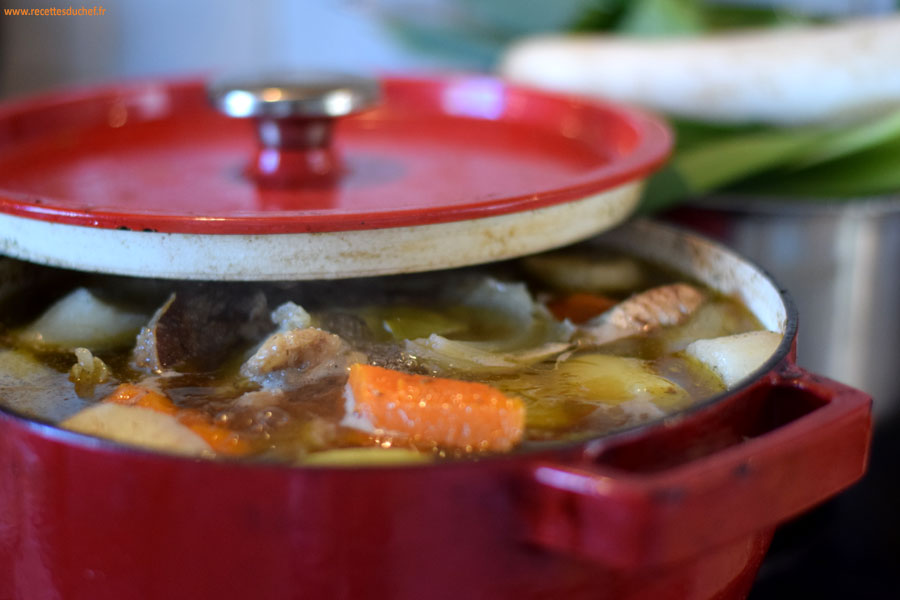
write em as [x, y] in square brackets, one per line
[153, 179]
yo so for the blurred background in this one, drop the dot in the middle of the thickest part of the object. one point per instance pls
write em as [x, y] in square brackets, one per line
[827, 228]
[134, 38]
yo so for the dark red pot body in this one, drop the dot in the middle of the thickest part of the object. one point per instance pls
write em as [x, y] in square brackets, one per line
[683, 510]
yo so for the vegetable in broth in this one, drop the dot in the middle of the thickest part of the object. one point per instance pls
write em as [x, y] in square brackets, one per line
[404, 368]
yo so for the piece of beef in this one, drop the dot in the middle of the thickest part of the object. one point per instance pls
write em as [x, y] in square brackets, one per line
[657, 307]
[300, 357]
[196, 329]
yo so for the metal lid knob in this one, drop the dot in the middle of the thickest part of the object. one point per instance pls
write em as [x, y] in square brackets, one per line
[303, 95]
[294, 114]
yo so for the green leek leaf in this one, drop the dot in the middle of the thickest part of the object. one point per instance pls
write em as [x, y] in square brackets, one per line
[854, 138]
[872, 172]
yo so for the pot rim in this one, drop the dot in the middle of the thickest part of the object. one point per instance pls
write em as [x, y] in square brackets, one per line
[83, 441]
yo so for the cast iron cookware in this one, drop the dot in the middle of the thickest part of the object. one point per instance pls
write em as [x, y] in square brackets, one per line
[149, 179]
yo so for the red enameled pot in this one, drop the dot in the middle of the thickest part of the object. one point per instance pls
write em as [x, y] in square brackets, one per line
[683, 507]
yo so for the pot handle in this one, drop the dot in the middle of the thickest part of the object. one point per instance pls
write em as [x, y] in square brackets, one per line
[742, 465]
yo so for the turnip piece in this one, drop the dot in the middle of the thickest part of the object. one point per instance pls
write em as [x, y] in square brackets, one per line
[80, 319]
[716, 318]
[138, 426]
[734, 357]
[785, 76]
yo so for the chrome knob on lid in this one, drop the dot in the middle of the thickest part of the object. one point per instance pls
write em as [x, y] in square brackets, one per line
[295, 115]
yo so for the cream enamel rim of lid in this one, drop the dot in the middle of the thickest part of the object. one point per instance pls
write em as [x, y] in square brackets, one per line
[304, 256]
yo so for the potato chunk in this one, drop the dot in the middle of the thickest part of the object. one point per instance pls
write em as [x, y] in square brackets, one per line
[614, 380]
[733, 357]
[138, 426]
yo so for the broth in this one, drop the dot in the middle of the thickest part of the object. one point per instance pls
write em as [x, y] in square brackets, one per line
[260, 371]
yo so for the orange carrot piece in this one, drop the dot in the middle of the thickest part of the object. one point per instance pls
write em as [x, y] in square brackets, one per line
[135, 395]
[220, 439]
[433, 410]
[580, 307]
